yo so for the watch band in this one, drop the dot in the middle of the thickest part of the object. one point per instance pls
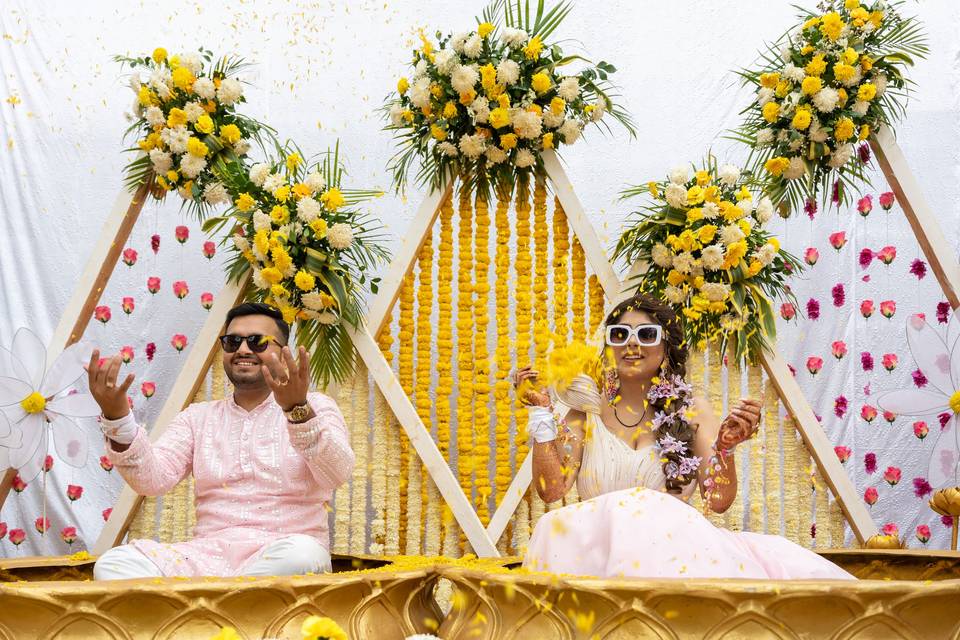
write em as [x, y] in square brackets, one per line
[298, 413]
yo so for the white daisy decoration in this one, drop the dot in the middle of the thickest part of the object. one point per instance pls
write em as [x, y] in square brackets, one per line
[37, 404]
[938, 357]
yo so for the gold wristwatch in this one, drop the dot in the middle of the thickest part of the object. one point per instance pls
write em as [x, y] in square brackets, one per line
[298, 413]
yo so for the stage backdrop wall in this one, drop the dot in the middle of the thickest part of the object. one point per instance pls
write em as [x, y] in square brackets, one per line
[322, 71]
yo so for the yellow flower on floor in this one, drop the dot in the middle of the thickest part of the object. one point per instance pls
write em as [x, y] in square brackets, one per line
[159, 55]
[867, 92]
[226, 633]
[317, 628]
[304, 281]
[332, 199]
[230, 133]
[204, 124]
[540, 82]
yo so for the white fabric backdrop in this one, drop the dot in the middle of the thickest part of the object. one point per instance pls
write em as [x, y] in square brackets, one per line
[322, 71]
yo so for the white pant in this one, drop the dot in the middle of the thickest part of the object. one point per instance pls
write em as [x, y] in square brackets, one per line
[292, 555]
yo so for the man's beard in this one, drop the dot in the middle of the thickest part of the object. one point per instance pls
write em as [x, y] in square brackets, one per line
[245, 377]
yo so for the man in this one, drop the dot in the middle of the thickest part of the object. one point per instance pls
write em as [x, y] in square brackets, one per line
[265, 461]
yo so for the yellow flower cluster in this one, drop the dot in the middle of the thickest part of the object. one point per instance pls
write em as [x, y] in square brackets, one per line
[579, 266]
[541, 326]
[523, 270]
[503, 410]
[429, 496]
[828, 91]
[466, 443]
[405, 376]
[710, 257]
[383, 481]
[186, 123]
[444, 390]
[481, 358]
[596, 303]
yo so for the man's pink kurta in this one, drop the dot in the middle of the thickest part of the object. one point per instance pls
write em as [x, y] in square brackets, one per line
[257, 478]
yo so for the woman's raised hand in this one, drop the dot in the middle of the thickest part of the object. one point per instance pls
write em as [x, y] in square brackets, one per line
[524, 381]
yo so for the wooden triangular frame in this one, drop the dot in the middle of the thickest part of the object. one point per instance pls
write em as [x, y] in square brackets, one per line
[127, 208]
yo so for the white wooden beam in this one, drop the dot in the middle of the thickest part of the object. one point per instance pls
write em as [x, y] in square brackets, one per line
[185, 387]
[466, 516]
[938, 251]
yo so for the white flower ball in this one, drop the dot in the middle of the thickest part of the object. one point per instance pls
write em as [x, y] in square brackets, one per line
[796, 169]
[508, 72]
[527, 124]
[730, 233]
[230, 91]
[191, 165]
[662, 256]
[525, 158]
[472, 146]
[161, 160]
[710, 210]
[308, 210]
[445, 60]
[674, 295]
[258, 173]
[473, 46]
[514, 37]
[496, 155]
[826, 99]
[764, 210]
[154, 116]
[463, 79]
[273, 182]
[205, 88]
[712, 257]
[679, 175]
[215, 193]
[569, 89]
[316, 181]
[676, 196]
[570, 130]
[448, 149]
[340, 235]
[480, 109]
[456, 42]
[729, 174]
[261, 221]
[420, 92]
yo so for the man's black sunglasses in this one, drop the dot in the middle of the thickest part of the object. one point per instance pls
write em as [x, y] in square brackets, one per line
[257, 343]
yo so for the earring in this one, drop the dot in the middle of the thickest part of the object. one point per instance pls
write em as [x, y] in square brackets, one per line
[611, 384]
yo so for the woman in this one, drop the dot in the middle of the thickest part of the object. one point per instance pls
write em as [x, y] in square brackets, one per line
[637, 450]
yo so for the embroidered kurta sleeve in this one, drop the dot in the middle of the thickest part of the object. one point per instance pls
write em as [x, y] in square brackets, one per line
[153, 468]
[323, 442]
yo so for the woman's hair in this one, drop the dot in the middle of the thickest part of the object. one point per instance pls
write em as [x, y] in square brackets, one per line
[675, 364]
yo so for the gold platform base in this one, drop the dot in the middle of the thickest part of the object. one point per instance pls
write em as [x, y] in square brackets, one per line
[903, 594]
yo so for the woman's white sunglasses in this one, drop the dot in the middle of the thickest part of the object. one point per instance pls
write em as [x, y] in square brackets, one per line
[647, 335]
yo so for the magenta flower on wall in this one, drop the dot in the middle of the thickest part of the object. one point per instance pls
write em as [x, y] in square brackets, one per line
[840, 406]
[890, 416]
[866, 361]
[863, 153]
[148, 389]
[179, 342]
[870, 496]
[838, 240]
[870, 462]
[887, 200]
[810, 208]
[919, 379]
[106, 464]
[813, 309]
[74, 492]
[923, 533]
[920, 429]
[865, 205]
[128, 305]
[944, 419]
[814, 364]
[102, 313]
[890, 529]
[811, 255]
[888, 308]
[943, 312]
[17, 536]
[788, 311]
[209, 250]
[181, 233]
[921, 487]
[866, 257]
[206, 300]
[180, 289]
[866, 308]
[151, 349]
[918, 268]
[42, 525]
[868, 413]
[68, 535]
[155, 243]
[839, 296]
[839, 349]
[153, 284]
[126, 354]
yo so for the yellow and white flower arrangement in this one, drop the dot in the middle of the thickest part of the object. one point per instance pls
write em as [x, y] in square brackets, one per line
[823, 88]
[309, 246]
[485, 103]
[187, 125]
[705, 252]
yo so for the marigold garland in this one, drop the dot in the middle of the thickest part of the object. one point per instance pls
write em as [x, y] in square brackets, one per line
[735, 375]
[523, 268]
[378, 468]
[541, 325]
[466, 456]
[405, 377]
[341, 511]
[502, 386]
[773, 478]
[578, 262]
[596, 303]
[794, 477]
[481, 358]
[755, 387]
[822, 539]
[714, 387]
[444, 390]
[429, 496]
[561, 274]
[394, 504]
[361, 470]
